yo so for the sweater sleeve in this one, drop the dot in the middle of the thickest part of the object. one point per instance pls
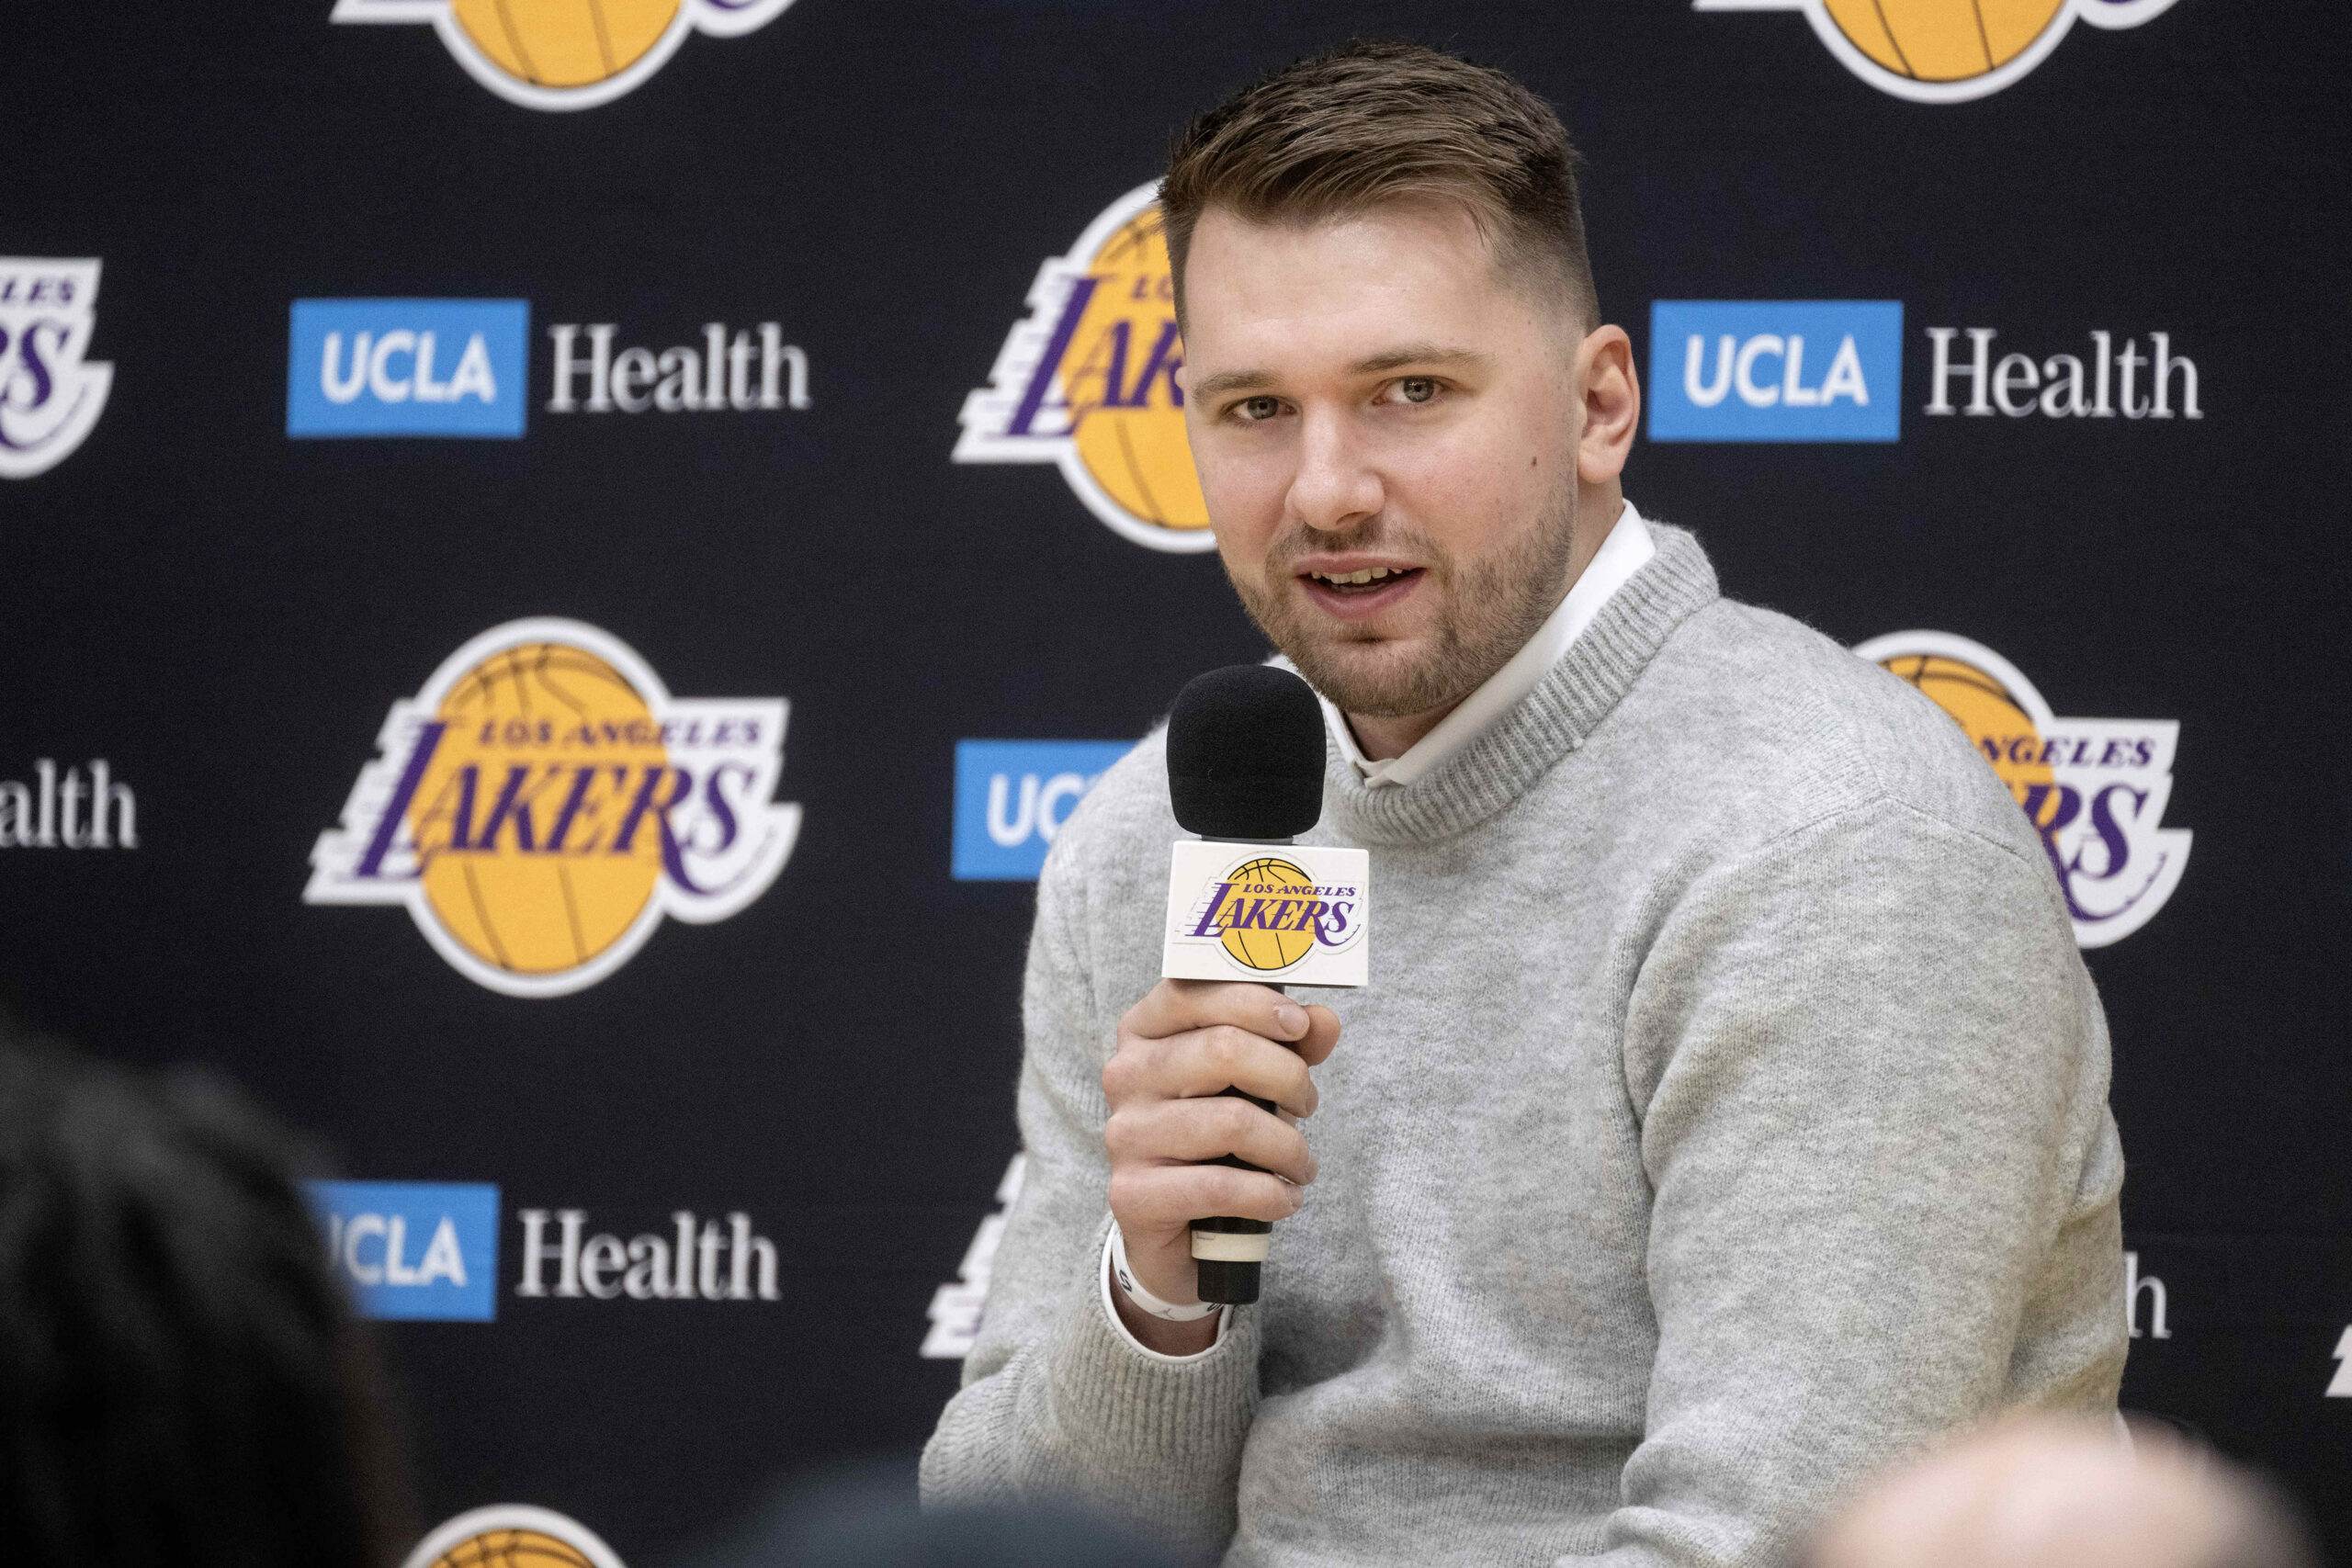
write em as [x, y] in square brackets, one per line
[1871, 1078]
[1056, 1403]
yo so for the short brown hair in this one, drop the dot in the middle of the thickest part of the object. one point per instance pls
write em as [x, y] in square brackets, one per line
[1373, 123]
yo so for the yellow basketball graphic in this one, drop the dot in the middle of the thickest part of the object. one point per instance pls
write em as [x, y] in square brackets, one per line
[2003, 733]
[1119, 375]
[1086, 381]
[523, 876]
[1264, 883]
[543, 803]
[1943, 40]
[565, 43]
[512, 1549]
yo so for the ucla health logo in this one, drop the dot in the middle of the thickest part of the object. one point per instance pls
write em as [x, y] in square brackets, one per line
[1087, 381]
[49, 398]
[407, 368]
[408, 1250]
[699, 1261]
[1776, 370]
[544, 801]
[2095, 788]
[1013, 797]
[565, 54]
[1944, 51]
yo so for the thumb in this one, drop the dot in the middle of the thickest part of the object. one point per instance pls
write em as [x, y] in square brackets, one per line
[1322, 1034]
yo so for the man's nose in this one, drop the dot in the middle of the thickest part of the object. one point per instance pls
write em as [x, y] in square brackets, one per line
[1334, 487]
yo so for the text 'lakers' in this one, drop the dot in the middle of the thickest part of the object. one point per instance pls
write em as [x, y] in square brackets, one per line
[543, 802]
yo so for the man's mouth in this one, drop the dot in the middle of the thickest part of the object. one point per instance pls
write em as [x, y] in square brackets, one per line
[1361, 592]
[1352, 581]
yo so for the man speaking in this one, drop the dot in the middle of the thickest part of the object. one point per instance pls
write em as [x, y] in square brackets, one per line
[1726, 1115]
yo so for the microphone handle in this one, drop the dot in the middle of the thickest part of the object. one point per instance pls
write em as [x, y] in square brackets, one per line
[1231, 1281]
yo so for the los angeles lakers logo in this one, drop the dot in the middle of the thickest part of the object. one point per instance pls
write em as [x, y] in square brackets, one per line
[2095, 788]
[1237, 913]
[1942, 52]
[1267, 915]
[512, 1534]
[1087, 381]
[565, 54]
[543, 802]
[50, 396]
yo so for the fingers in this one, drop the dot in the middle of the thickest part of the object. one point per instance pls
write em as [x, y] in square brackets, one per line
[1172, 1007]
[1180, 1049]
[1209, 1061]
[1153, 1132]
[1160, 1202]
[1190, 1037]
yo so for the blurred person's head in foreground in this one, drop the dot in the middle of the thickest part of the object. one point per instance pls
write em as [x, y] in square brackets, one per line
[181, 1382]
[2047, 1493]
[865, 1515]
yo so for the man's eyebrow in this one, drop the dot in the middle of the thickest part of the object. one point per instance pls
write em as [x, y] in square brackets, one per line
[1210, 387]
[1417, 354]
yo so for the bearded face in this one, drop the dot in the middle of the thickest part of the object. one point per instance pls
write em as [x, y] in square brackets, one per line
[1387, 424]
[1474, 612]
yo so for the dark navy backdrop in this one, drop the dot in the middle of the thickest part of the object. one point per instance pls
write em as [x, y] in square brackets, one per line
[225, 614]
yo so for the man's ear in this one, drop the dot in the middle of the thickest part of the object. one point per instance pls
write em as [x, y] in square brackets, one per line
[1613, 403]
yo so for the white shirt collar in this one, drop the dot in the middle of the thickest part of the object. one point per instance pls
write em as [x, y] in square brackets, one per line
[1625, 552]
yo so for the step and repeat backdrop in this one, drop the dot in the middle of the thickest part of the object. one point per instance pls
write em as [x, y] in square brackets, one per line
[562, 560]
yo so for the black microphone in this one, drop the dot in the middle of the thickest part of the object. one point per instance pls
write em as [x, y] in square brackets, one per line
[1245, 765]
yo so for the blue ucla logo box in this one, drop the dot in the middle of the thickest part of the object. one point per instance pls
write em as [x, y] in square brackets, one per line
[410, 1249]
[1776, 370]
[408, 367]
[1011, 797]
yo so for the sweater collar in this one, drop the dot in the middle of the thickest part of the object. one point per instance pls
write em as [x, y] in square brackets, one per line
[1506, 760]
[1626, 549]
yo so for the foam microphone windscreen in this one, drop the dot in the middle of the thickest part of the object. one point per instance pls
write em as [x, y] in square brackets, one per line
[1245, 754]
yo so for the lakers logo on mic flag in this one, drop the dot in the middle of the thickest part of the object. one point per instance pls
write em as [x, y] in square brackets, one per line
[1241, 912]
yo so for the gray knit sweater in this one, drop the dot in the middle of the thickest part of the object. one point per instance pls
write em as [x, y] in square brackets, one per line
[1726, 1115]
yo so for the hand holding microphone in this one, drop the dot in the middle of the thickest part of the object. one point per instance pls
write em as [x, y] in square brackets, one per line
[1211, 1069]
[1179, 1048]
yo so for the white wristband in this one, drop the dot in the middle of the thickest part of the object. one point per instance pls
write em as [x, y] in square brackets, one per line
[1145, 1299]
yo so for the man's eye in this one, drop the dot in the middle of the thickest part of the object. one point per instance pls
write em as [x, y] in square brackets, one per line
[1260, 408]
[1417, 388]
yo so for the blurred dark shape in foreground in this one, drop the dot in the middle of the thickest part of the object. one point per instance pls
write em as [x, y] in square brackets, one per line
[866, 1516]
[2041, 1492]
[181, 1382]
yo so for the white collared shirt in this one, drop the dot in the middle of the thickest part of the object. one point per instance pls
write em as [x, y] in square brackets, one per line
[1625, 552]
